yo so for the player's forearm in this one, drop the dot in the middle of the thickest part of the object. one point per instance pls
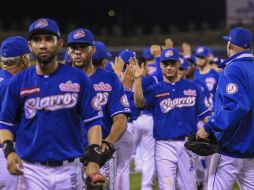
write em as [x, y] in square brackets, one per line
[5, 135]
[118, 128]
[138, 93]
[94, 135]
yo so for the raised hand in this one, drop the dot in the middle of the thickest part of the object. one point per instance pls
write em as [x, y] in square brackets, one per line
[169, 43]
[155, 50]
[128, 76]
[139, 70]
[118, 66]
[186, 49]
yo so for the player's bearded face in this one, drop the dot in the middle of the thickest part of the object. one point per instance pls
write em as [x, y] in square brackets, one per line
[201, 62]
[81, 55]
[44, 47]
[170, 69]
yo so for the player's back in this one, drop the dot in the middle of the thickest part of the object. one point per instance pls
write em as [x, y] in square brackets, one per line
[239, 137]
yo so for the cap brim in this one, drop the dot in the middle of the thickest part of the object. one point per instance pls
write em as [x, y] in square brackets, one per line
[80, 42]
[109, 55]
[166, 60]
[227, 38]
[40, 31]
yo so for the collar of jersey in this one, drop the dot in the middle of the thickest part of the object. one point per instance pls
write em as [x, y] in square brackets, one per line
[244, 55]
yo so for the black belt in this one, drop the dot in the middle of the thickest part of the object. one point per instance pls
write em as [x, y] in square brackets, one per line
[53, 163]
[178, 139]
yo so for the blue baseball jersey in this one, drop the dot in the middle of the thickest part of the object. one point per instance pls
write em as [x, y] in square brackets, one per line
[110, 96]
[48, 109]
[135, 112]
[210, 81]
[5, 78]
[233, 119]
[176, 108]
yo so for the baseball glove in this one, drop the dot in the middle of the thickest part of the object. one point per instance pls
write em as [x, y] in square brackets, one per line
[108, 153]
[202, 147]
[105, 156]
[95, 181]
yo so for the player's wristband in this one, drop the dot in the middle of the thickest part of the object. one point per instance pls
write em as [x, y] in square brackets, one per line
[8, 147]
[94, 153]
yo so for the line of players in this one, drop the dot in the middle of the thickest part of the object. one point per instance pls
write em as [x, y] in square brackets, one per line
[123, 88]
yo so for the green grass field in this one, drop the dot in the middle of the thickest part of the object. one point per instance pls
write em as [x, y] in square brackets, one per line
[135, 180]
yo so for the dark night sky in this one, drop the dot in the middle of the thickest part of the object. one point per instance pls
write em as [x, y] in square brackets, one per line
[129, 14]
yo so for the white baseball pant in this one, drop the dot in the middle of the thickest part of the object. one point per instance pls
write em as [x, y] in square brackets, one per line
[36, 176]
[225, 170]
[7, 181]
[175, 165]
[124, 152]
[143, 135]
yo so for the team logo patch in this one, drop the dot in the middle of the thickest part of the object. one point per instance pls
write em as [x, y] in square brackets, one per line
[190, 92]
[169, 53]
[102, 87]
[231, 88]
[161, 95]
[79, 34]
[30, 91]
[42, 23]
[69, 87]
[124, 101]
[200, 50]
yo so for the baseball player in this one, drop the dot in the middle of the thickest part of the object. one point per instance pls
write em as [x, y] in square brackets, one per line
[176, 104]
[48, 100]
[126, 143]
[86, 54]
[232, 122]
[205, 74]
[14, 56]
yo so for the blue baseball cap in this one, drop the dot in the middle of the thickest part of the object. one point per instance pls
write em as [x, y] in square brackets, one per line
[240, 37]
[43, 26]
[202, 51]
[169, 54]
[101, 51]
[14, 46]
[125, 55]
[80, 35]
[147, 54]
[184, 63]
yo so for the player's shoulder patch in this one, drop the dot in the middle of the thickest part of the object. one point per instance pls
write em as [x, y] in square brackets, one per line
[231, 88]
[124, 101]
